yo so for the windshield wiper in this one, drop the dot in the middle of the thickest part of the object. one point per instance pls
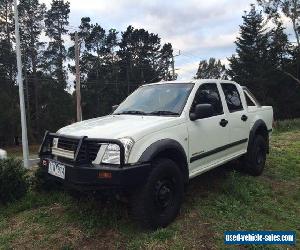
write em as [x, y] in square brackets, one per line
[131, 112]
[163, 112]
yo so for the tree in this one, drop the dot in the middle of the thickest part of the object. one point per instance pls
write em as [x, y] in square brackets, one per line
[109, 74]
[99, 67]
[211, 69]
[261, 56]
[55, 101]
[166, 62]
[85, 57]
[57, 105]
[9, 109]
[56, 21]
[111, 67]
[7, 39]
[248, 66]
[97, 76]
[291, 10]
[139, 55]
[31, 17]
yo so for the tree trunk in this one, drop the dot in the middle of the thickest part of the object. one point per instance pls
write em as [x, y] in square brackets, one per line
[36, 94]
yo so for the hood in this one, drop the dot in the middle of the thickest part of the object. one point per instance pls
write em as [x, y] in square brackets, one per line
[119, 126]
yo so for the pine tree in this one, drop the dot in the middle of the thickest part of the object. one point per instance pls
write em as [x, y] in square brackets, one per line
[139, 54]
[263, 62]
[111, 57]
[99, 67]
[85, 57]
[249, 64]
[211, 69]
[166, 62]
[7, 39]
[56, 22]
[31, 17]
[9, 109]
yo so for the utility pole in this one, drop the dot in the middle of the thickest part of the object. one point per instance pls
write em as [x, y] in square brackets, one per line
[21, 90]
[173, 68]
[173, 65]
[78, 94]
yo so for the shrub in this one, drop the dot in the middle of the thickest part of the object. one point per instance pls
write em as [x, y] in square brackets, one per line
[42, 183]
[13, 180]
[286, 125]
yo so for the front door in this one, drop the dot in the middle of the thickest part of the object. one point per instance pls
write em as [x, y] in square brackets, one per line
[207, 136]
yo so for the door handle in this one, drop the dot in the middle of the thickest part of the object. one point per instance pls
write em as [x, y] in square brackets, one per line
[223, 122]
[244, 118]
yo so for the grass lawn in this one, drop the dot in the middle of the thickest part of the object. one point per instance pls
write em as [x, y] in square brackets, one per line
[219, 200]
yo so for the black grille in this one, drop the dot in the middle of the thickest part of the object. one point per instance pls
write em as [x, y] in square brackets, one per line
[88, 150]
[67, 144]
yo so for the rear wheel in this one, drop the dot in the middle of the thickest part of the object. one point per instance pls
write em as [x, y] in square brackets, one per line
[158, 202]
[255, 159]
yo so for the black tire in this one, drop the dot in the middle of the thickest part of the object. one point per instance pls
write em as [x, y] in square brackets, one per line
[158, 202]
[255, 159]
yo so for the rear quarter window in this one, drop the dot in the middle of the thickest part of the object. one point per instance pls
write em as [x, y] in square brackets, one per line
[249, 102]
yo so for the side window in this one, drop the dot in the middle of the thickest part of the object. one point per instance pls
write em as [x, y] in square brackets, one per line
[248, 100]
[249, 95]
[208, 94]
[232, 97]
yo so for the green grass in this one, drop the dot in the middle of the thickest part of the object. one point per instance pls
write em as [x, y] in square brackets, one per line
[219, 200]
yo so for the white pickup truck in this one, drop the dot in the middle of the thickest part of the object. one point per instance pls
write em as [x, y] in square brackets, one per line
[158, 138]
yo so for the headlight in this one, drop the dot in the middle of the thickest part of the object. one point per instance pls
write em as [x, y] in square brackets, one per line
[112, 152]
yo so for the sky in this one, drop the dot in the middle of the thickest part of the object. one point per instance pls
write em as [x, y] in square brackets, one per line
[199, 29]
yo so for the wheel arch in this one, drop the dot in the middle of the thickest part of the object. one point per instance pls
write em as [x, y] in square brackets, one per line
[259, 128]
[170, 149]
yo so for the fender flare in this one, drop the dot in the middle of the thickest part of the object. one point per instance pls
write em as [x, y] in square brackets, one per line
[163, 145]
[259, 124]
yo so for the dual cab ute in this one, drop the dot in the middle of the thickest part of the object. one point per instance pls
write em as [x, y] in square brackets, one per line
[158, 138]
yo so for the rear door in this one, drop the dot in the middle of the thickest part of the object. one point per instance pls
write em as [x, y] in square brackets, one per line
[237, 117]
[207, 136]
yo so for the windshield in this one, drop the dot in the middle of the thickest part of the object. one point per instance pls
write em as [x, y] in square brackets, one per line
[157, 99]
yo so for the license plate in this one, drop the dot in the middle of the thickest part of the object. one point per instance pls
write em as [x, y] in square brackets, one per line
[56, 169]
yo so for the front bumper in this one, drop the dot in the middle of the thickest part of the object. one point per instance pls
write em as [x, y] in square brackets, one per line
[82, 174]
[91, 177]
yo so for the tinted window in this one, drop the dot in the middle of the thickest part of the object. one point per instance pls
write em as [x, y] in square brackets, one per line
[208, 94]
[248, 92]
[232, 97]
[248, 100]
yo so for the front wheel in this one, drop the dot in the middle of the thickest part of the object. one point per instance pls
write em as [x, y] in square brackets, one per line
[158, 202]
[255, 159]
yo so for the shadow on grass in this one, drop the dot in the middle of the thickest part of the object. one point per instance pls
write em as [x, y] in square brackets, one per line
[94, 211]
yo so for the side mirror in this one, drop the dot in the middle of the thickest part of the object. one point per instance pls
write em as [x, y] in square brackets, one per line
[114, 107]
[202, 111]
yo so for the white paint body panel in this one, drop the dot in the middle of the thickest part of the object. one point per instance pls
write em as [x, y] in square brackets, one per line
[195, 137]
